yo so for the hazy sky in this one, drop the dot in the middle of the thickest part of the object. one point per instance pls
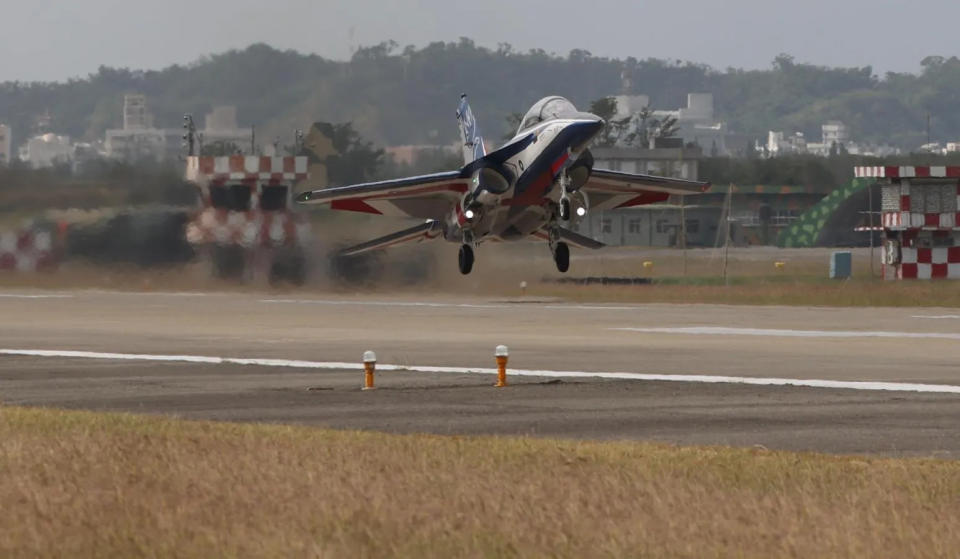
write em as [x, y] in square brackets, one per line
[47, 40]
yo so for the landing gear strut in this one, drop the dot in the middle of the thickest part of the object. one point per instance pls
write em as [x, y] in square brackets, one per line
[564, 200]
[565, 208]
[466, 259]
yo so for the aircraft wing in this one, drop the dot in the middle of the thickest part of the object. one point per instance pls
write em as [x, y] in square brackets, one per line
[613, 189]
[425, 196]
[423, 232]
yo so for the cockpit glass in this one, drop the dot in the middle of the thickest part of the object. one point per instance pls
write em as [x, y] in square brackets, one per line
[556, 107]
[548, 108]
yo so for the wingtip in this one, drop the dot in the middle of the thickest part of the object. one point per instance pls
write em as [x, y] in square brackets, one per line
[304, 196]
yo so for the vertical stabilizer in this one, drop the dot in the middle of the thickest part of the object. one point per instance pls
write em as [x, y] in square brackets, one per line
[473, 148]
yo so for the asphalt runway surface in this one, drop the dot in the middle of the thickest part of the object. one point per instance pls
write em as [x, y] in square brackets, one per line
[885, 346]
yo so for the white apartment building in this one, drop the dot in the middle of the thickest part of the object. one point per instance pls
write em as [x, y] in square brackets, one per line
[139, 138]
[46, 150]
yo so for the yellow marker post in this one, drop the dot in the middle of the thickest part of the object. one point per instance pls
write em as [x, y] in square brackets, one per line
[648, 265]
[369, 366]
[779, 265]
[501, 354]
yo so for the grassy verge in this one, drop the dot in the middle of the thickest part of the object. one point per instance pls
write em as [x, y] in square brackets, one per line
[111, 485]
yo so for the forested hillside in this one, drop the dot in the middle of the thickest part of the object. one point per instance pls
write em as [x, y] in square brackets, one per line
[408, 95]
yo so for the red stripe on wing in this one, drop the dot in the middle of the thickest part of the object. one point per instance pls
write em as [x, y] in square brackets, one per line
[645, 198]
[354, 205]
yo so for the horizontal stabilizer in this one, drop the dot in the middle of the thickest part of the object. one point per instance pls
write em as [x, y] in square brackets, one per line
[575, 239]
[618, 181]
[425, 231]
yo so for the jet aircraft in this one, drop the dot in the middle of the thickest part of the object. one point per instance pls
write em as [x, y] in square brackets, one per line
[536, 185]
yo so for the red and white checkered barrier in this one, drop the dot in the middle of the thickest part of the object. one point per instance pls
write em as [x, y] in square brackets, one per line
[246, 168]
[929, 263]
[252, 229]
[27, 250]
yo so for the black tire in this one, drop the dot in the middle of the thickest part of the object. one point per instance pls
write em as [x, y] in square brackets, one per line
[466, 259]
[565, 209]
[562, 257]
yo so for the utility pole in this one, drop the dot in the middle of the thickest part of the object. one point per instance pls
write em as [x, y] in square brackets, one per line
[726, 235]
[683, 231]
[870, 226]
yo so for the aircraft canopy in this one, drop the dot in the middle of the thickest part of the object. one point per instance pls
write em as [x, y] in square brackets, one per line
[548, 108]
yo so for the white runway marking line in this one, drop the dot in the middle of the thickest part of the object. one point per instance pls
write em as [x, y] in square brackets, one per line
[22, 296]
[724, 331]
[936, 316]
[518, 305]
[808, 383]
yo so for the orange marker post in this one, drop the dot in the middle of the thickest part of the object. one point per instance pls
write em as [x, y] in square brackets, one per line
[501, 354]
[369, 366]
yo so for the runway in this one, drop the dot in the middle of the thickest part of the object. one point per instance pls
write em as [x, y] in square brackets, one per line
[887, 347]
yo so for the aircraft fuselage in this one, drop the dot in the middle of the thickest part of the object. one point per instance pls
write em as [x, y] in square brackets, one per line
[531, 200]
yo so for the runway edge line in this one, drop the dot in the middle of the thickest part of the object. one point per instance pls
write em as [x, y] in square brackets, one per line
[300, 364]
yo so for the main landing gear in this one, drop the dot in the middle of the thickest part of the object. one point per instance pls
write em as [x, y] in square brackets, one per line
[560, 250]
[466, 259]
[561, 256]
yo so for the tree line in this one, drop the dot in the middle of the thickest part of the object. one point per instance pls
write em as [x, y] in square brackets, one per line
[396, 95]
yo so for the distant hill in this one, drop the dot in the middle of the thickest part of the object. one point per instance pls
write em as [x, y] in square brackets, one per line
[399, 96]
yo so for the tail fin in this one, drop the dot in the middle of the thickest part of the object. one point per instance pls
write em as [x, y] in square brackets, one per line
[473, 148]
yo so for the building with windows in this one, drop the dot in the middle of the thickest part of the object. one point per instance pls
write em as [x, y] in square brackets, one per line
[697, 122]
[678, 161]
[657, 224]
[139, 138]
[835, 133]
[220, 129]
[757, 213]
[47, 150]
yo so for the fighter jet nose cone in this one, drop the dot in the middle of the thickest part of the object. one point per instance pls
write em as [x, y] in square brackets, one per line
[591, 126]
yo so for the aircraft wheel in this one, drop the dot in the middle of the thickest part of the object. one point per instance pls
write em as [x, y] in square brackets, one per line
[561, 255]
[565, 209]
[466, 259]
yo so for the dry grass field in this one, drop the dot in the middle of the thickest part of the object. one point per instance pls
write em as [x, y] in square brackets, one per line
[108, 485]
